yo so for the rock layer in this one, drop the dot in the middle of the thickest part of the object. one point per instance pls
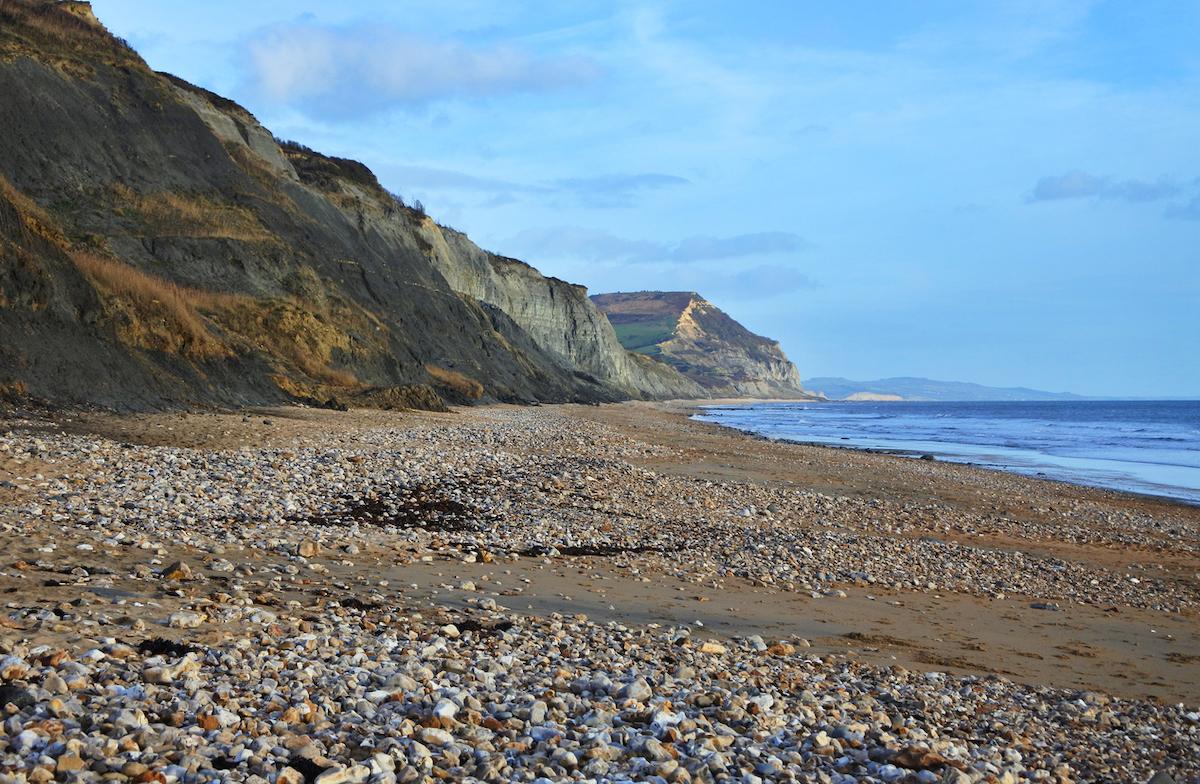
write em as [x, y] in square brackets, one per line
[159, 246]
[558, 315]
[702, 342]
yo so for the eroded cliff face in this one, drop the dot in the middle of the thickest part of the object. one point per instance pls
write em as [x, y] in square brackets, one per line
[703, 343]
[159, 246]
[558, 315]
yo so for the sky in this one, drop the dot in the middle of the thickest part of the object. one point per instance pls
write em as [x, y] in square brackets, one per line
[1001, 192]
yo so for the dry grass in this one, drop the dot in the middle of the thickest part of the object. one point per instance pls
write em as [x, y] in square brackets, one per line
[456, 382]
[156, 314]
[36, 220]
[68, 29]
[153, 313]
[170, 214]
[288, 330]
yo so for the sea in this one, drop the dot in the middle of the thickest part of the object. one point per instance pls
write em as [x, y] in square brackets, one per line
[1148, 447]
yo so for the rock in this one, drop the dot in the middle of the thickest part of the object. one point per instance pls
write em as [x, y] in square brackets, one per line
[40, 775]
[638, 690]
[20, 696]
[445, 709]
[915, 758]
[307, 549]
[53, 684]
[338, 774]
[712, 646]
[435, 737]
[13, 668]
[289, 775]
[178, 570]
[171, 672]
[26, 741]
[185, 619]
[68, 763]
[653, 749]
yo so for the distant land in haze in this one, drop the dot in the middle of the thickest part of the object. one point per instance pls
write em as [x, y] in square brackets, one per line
[910, 388]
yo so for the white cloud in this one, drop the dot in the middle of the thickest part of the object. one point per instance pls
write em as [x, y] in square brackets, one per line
[348, 71]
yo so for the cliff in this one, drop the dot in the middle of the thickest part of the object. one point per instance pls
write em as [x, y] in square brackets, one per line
[695, 337]
[558, 315]
[159, 246]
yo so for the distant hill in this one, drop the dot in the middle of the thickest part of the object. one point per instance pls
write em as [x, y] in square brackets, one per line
[698, 339]
[907, 388]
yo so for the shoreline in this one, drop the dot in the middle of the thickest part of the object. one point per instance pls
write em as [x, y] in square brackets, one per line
[913, 455]
[610, 531]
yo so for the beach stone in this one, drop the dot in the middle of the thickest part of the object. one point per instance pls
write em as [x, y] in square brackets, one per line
[53, 683]
[435, 737]
[178, 570]
[13, 668]
[171, 672]
[638, 690]
[185, 619]
[21, 696]
[445, 709]
[351, 774]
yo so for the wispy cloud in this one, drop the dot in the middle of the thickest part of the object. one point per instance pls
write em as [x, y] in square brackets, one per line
[338, 72]
[577, 243]
[449, 179]
[611, 190]
[616, 190]
[1187, 211]
[1072, 185]
[761, 243]
[759, 282]
[1081, 185]
[1142, 190]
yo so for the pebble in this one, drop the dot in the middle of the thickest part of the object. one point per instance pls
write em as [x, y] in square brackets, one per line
[290, 681]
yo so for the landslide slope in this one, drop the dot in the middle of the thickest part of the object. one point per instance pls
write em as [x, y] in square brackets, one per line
[159, 246]
[697, 338]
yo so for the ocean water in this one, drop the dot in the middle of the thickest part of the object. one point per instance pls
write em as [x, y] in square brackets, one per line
[1150, 447]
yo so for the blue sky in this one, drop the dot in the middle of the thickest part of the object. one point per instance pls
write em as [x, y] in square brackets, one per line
[999, 192]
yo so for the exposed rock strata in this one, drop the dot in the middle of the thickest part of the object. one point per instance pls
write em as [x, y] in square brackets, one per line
[697, 338]
[159, 246]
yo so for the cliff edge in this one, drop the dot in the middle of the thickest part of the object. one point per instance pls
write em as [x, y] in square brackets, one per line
[698, 339]
[159, 246]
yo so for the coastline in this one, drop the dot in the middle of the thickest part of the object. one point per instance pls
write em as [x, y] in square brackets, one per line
[851, 565]
[689, 411]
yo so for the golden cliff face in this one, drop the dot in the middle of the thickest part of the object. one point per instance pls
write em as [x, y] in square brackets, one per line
[694, 336]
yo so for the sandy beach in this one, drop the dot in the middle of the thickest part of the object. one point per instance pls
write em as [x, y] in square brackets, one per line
[574, 592]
